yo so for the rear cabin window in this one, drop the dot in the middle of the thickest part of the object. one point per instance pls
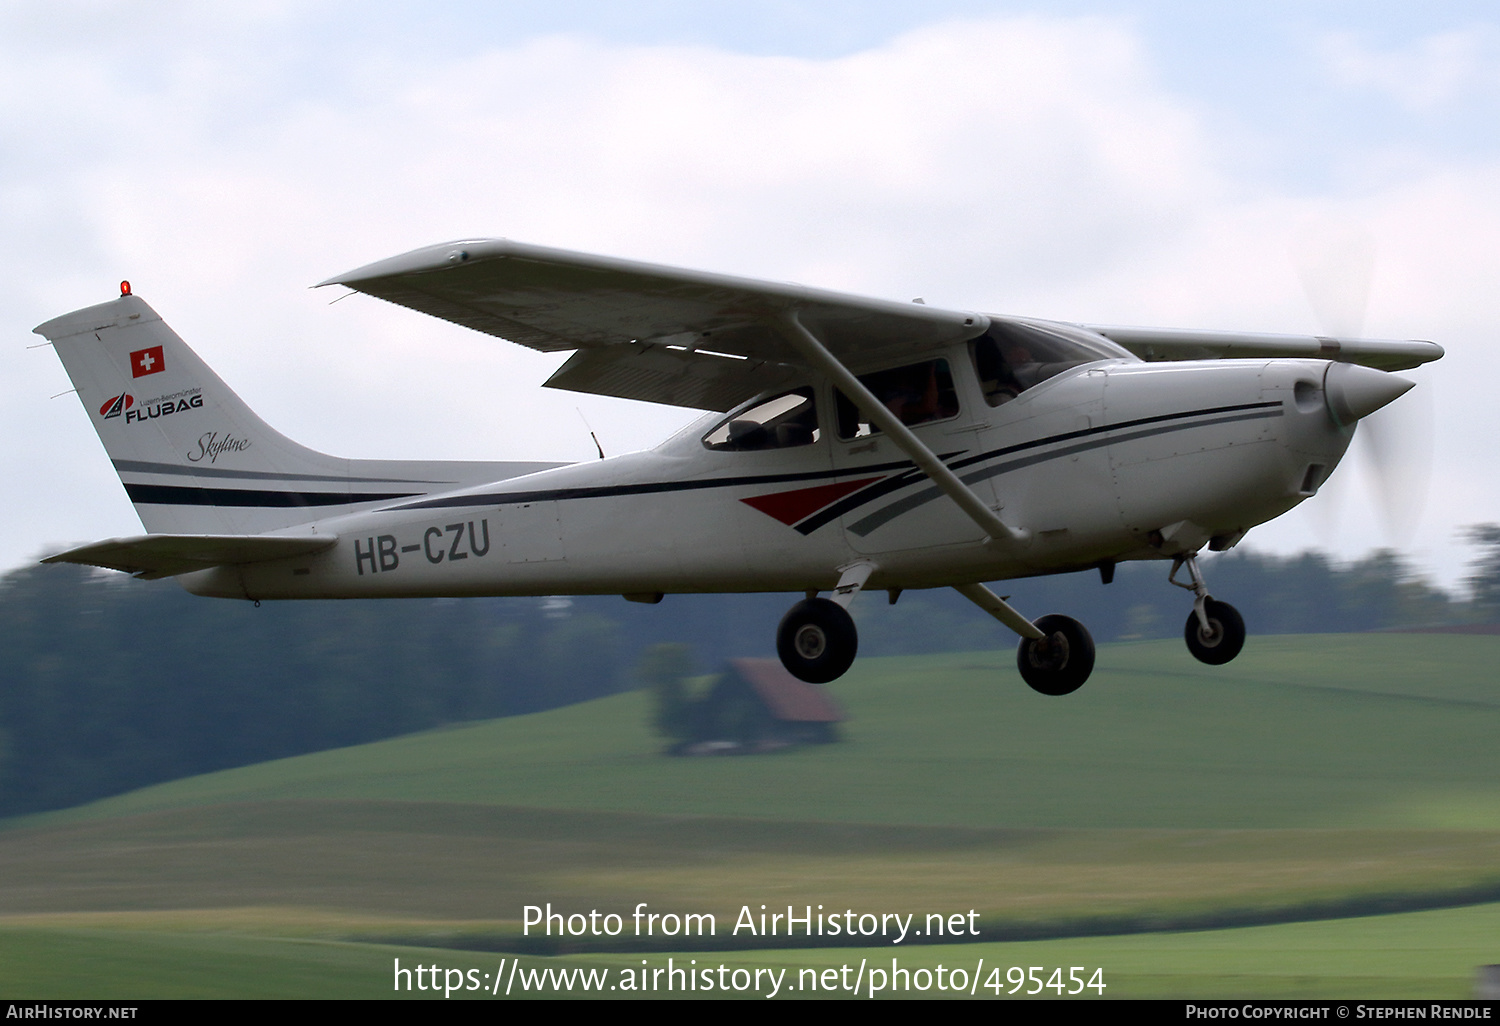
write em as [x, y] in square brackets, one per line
[783, 422]
[1009, 358]
[917, 394]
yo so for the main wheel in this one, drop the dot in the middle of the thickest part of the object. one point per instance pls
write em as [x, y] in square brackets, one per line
[1223, 639]
[817, 640]
[1059, 663]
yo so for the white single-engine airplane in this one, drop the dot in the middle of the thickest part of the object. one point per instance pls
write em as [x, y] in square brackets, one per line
[858, 443]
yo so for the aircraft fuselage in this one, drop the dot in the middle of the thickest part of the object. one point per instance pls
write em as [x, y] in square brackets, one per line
[1110, 461]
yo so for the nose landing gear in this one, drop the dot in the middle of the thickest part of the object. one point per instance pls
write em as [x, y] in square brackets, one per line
[1222, 640]
[1215, 631]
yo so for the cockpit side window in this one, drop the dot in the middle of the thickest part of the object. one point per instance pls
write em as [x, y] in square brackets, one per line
[1009, 358]
[917, 394]
[781, 422]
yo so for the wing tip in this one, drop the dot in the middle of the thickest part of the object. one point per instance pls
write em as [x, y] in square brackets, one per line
[428, 258]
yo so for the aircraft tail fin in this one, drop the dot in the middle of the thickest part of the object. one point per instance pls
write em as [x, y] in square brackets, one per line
[194, 459]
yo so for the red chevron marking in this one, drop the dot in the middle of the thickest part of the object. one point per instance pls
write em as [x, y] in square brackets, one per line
[790, 507]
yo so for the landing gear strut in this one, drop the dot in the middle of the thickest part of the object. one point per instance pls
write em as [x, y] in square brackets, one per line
[1215, 631]
[1222, 640]
[1056, 654]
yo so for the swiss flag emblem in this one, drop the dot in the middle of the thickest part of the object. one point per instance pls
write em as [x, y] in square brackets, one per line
[146, 361]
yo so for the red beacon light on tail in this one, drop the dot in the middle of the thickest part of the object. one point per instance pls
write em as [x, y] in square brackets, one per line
[124, 289]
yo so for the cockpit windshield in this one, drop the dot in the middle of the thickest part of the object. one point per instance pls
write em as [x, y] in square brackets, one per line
[1011, 356]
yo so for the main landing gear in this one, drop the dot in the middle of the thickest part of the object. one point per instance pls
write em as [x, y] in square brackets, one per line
[1060, 662]
[1215, 631]
[817, 641]
[1056, 654]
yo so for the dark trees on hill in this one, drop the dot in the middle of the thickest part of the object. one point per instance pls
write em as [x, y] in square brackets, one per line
[1485, 581]
[110, 683]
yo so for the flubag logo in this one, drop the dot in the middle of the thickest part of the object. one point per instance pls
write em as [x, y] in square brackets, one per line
[162, 406]
[116, 406]
[147, 361]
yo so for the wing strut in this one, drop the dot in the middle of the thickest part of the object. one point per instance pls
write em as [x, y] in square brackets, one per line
[813, 350]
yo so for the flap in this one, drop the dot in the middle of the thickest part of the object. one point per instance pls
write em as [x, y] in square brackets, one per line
[703, 381]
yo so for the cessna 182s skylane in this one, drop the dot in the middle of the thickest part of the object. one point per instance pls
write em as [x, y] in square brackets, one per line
[858, 444]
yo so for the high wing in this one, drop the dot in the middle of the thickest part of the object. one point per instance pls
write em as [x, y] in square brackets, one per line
[709, 341]
[154, 556]
[643, 331]
[1153, 344]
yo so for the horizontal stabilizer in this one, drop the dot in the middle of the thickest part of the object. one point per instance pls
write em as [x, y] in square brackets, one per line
[153, 556]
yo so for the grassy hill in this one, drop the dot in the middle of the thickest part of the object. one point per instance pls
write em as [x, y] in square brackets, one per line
[1320, 731]
[1314, 776]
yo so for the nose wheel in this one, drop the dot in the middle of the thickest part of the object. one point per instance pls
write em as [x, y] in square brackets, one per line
[1215, 631]
[817, 641]
[1223, 638]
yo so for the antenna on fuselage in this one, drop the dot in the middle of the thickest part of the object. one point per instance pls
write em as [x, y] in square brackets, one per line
[590, 430]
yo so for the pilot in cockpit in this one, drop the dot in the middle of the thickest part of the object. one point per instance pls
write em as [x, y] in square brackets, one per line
[997, 366]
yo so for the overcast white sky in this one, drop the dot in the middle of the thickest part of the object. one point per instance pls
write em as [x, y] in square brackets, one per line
[1141, 163]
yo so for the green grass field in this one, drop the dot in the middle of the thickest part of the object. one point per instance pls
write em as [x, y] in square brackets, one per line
[1419, 955]
[1318, 731]
[1314, 777]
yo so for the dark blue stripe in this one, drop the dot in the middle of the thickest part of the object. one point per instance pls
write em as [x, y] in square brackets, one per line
[173, 495]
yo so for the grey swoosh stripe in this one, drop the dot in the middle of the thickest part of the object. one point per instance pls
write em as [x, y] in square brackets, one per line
[886, 514]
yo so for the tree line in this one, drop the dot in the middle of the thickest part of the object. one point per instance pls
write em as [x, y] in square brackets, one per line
[109, 683]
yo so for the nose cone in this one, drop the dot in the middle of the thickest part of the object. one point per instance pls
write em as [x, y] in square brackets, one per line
[1354, 392]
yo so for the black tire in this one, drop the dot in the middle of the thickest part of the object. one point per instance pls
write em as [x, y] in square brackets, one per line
[1225, 638]
[1062, 661]
[817, 641]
